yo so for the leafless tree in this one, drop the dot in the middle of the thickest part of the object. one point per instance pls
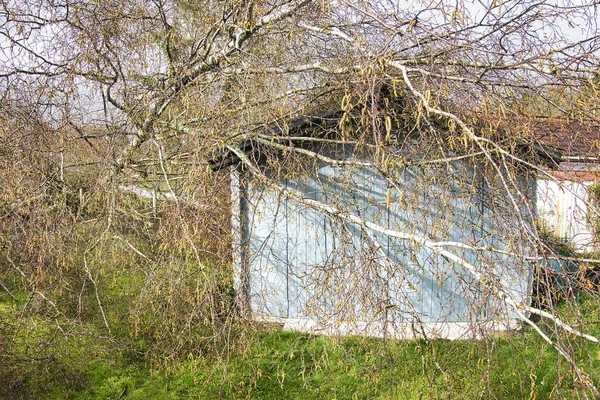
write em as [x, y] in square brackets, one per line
[130, 98]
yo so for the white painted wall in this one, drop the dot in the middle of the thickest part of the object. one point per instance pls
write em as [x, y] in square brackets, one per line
[563, 208]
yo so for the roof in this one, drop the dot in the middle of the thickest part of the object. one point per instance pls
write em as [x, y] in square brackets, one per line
[576, 176]
[582, 172]
[572, 140]
[298, 125]
[556, 140]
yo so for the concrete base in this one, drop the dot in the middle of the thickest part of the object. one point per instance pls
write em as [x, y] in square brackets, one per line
[404, 331]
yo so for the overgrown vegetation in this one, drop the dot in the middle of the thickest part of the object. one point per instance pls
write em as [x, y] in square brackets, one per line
[127, 319]
[116, 259]
[84, 363]
[148, 353]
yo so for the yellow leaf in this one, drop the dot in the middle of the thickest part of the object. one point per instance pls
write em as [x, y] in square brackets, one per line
[345, 102]
[388, 128]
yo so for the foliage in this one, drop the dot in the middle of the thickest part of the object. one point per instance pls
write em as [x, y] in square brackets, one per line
[113, 228]
[285, 365]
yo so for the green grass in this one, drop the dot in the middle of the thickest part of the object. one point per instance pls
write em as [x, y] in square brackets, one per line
[281, 365]
[84, 362]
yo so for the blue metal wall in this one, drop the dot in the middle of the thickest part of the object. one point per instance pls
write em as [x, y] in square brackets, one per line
[305, 264]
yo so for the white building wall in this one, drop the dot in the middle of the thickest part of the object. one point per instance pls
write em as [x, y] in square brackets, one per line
[563, 208]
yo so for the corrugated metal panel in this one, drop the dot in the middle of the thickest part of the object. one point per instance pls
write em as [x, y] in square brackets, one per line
[269, 275]
[307, 265]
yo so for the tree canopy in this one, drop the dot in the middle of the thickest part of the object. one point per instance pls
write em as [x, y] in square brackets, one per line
[107, 105]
